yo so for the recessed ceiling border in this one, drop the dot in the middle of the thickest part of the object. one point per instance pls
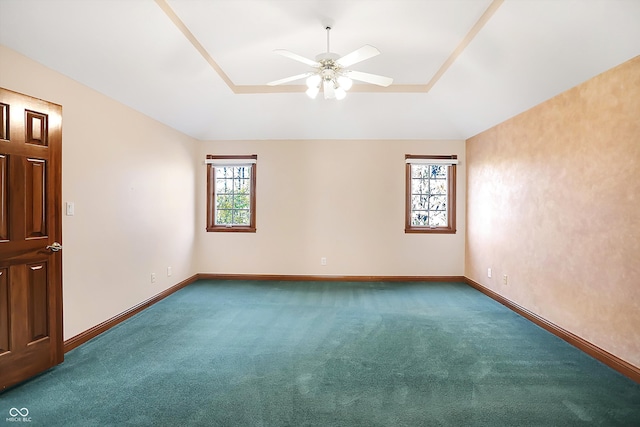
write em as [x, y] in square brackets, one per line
[394, 88]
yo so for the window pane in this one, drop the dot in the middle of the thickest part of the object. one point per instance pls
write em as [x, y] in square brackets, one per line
[438, 203]
[438, 186]
[419, 203]
[241, 217]
[224, 172]
[438, 171]
[419, 171]
[438, 219]
[224, 202]
[419, 218]
[242, 186]
[241, 172]
[241, 201]
[419, 186]
[223, 217]
[223, 186]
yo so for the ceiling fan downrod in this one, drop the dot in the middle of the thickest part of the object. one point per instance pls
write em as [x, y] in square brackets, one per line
[328, 30]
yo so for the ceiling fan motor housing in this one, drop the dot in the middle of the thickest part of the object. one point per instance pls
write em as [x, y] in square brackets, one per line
[327, 56]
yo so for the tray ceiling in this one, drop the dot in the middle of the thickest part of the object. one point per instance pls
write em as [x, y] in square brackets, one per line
[200, 66]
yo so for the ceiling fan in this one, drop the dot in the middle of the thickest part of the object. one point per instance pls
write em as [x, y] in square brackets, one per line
[331, 73]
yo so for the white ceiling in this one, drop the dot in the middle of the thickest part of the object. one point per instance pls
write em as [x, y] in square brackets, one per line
[513, 54]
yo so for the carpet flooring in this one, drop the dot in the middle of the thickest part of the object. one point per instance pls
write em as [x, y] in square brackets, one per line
[245, 353]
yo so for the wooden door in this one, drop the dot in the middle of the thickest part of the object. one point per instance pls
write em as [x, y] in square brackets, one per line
[30, 231]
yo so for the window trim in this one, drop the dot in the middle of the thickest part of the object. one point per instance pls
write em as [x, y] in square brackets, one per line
[451, 197]
[211, 199]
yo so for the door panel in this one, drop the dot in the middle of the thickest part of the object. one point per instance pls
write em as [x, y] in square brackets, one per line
[36, 198]
[4, 198]
[4, 311]
[4, 121]
[38, 297]
[36, 127]
[30, 221]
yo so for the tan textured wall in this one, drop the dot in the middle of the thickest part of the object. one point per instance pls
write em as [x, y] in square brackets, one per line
[553, 201]
[343, 200]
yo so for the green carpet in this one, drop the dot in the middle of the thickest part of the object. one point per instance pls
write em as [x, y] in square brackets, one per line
[242, 353]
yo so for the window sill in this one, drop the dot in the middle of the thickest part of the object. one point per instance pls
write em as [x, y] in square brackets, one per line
[427, 230]
[235, 229]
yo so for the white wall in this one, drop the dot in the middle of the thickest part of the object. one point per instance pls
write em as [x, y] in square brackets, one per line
[139, 193]
[132, 180]
[343, 200]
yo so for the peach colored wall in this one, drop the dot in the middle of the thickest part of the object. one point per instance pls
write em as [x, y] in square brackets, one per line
[132, 180]
[553, 201]
[343, 200]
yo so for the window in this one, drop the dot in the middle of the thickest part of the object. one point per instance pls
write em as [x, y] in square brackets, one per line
[231, 193]
[430, 194]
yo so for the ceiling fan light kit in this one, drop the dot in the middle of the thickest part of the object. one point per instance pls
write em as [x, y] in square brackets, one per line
[330, 72]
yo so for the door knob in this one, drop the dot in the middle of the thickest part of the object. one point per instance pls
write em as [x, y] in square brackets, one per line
[54, 247]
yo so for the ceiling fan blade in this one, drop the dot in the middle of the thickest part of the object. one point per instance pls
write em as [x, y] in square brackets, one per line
[358, 55]
[290, 79]
[296, 57]
[369, 78]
